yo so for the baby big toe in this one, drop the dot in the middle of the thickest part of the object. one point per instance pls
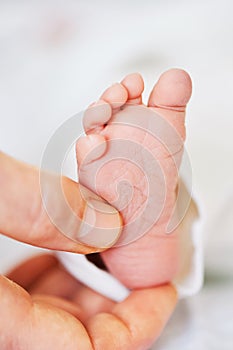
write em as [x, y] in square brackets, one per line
[172, 91]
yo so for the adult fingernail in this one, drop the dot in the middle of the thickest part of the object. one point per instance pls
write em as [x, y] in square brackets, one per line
[101, 224]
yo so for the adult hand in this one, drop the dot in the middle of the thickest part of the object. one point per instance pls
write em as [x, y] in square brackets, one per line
[57, 312]
[45, 307]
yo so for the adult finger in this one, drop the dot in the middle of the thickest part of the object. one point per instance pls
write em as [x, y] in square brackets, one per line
[50, 211]
[43, 274]
[28, 272]
[133, 324]
[56, 282]
[66, 305]
[37, 325]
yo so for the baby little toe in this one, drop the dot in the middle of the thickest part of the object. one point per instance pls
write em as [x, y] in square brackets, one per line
[96, 116]
[90, 148]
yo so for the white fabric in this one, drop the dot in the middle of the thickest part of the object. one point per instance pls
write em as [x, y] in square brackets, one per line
[93, 277]
[193, 281]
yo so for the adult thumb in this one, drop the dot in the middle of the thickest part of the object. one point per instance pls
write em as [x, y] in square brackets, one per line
[51, 211]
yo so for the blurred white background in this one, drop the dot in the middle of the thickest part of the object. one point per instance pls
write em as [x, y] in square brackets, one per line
[58, 56]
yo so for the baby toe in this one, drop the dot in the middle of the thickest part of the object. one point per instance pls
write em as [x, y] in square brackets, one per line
[90, 148]
[96, 116]
[116, 95]
[135, 86]
[172, 91]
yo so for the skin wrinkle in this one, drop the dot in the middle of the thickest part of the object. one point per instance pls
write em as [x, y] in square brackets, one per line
[123, 172]
[58, 316]
[166, 148]
[38, 222]
[140, 202]
[90, 339]
[138, 208]
[99, 342]
[172, 155]
[128, 328]
[170, 108]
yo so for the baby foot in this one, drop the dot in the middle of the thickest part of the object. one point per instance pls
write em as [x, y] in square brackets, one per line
[130, 157]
